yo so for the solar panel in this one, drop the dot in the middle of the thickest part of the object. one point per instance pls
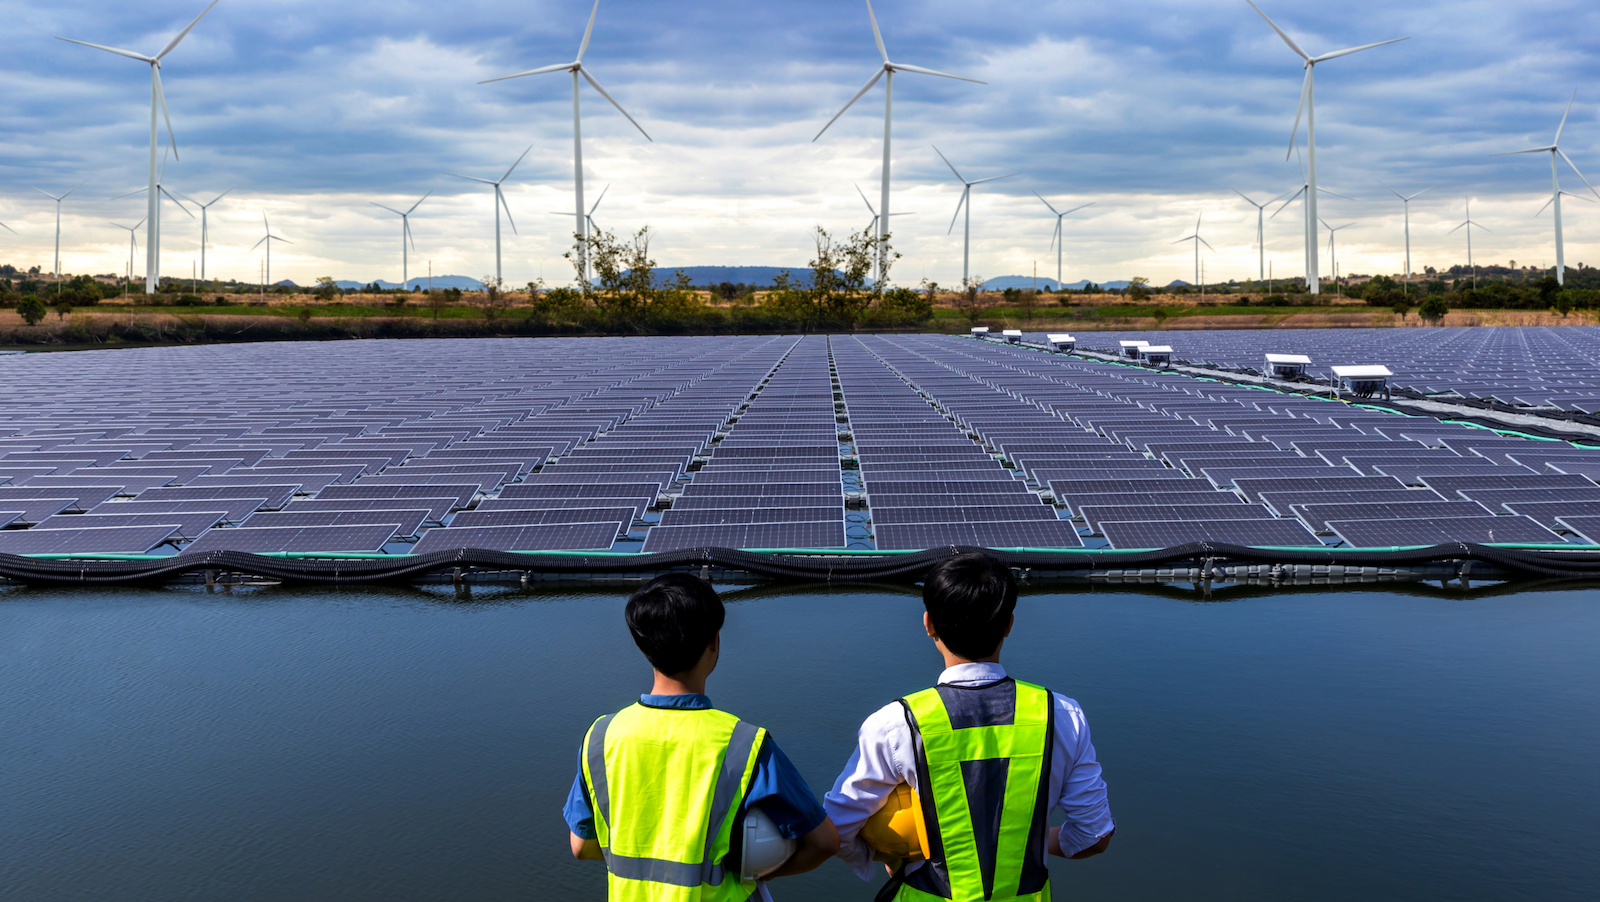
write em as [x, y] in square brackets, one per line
[1205, 495]
[1584, 527]
[1446, 485]
[581, 490]
[9, 517]
[549, 537]
[1546, 512]
[1283, 501]
[36, 509]
[1012, 534]
[97, 540]
[762, 490]
[407, 522]
[1318, 515]
[829, 499]
[118, 485]
[812, 534]
[232, 508]
[1494, 499]
[981, 513]
[637, 505]
[950, 487]
[741, 515]
[1440, 530]
[1171, 533]
[524, 517]
[276, 495]
[437, 508]
[1252, 488]
[349, 539]
[363, 490]
[184, 526]
[1093, 514]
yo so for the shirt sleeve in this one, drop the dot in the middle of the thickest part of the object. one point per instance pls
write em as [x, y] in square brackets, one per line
[868, 778]
[1083, 788]
[577, 813]
[782, 794]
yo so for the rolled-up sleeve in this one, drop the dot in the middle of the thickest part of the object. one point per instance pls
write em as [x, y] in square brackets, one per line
[1083, 796]
[576, 812]
[868, 778]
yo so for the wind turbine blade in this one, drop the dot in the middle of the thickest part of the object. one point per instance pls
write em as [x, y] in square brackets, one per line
[1301, 157]
[1246, 199]
[1287, 203]
[1204, 242]
[1564, 117]
[185, 33]
[864, 200]
[176, 201]
[1053, 233]
[1482, 226]
[590, 79]
[161, 95]
[1041, 197]
[996, 178]
[220, 196]
[284, 240]
[182, 195]
[588, 30]
[390, 209]
[1546, 206]
[963, 200]
[86, 181]
[1575, 170]
[130, 193]
[1182, 240]
[1334, 193]
[1452, 231]
[1512, 153]
[1305, 89]
[560, 67]
[903, 67]
[418, 203]
[599, 199]
[507, 208]
[8, 228]
[469, 178]
[864, 89]
[517, 163]
[950, 164]
[1576, 197]
[258, 243]
[52, 196]
[1349, 50]
[1281, 33]
[1076, 209]
[1422, 192]
[407, 229]
[877, 35]
[127, 53]
[1394, 192]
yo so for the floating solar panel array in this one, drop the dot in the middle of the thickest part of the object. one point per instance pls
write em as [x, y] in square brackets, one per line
[888, 443]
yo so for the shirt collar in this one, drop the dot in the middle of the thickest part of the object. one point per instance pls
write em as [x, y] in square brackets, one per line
[973, 673]
[689, 701]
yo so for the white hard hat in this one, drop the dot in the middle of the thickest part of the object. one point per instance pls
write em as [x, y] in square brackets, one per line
[765, 849]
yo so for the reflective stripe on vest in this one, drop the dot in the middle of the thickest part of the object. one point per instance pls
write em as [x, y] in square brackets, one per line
[983, 760]
[665, 785]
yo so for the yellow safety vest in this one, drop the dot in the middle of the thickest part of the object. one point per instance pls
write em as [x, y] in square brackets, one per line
[665, 785]
[983, 762]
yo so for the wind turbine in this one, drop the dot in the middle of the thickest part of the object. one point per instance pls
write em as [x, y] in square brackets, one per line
[966, 201]
[1310, 210]
[1197, 242]
[158, 99]
[133, 245]
[1406, 200]
[1468, 223]
[153, 234]
[888, 69]
[588, 219]
[267, 240]
[1261, 231]
[205, 231]
[405, 235]
[499, 202]
[872, 229]
[1554, 149]
[1058, 238]
[1309, 108]
[1333, 250]
[57, 271]
[577, 69]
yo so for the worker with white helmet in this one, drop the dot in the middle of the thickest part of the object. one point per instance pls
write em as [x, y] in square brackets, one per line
[684, 802]
[952, 787]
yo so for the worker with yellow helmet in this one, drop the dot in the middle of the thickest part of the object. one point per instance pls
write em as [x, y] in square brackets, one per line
[683, 802]
[952, 786]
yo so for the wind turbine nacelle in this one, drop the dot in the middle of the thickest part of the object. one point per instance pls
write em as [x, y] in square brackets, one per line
[1012, 336]
[1155, 355]
[1060, 341]
[1290, 367]
[1130, 349]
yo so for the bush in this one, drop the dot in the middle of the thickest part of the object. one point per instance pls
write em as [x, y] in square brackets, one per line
[188, 300]
[1433, 309]
[31, 309]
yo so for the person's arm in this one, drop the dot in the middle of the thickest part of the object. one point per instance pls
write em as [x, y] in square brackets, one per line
[816, 847]
[585, 849]
[580, 820]
[868, 778]
[1083, 795]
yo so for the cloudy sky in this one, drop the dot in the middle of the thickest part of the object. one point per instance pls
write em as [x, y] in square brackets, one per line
[1153, 110]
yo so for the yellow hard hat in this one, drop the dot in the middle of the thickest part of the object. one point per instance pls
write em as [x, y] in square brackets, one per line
[897, 830]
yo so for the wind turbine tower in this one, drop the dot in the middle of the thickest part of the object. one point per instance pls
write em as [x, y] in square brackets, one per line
[1261, 231]
[1197, 242]
[158, 101]
[1309, 108]
[1305, 193]
[966, 201]
[499, 202]
[887, 71]
[872, 229]
[1554, 149]
[205, 228]
[405, 236]
[577, 69]
[1333, 250]
[267, 240]
[1058, 239]
[1468, 224]
[57, 271]
[133, 243]
[1406, 200]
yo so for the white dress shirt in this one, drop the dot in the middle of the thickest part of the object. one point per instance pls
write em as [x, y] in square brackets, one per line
[886, 756]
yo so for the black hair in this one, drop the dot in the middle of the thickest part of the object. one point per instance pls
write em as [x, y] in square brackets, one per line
[970, 599]
[673, 619]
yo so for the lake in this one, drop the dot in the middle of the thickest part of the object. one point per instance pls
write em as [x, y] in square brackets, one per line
[416, 744]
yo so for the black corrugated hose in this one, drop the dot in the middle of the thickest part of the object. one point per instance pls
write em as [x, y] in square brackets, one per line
[790, 567]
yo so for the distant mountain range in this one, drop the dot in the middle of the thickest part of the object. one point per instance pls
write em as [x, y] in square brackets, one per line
[465, 283]
[1001, 283]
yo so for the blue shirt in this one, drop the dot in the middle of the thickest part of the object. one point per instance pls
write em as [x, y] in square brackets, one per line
[776, 788]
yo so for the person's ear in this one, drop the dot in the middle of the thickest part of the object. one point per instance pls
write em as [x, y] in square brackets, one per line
[927, 624]
[1009, 624]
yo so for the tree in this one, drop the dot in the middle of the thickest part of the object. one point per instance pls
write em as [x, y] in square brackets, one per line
[1160, 317]
[1401, 308]
[1138, 288]
[970, 300]
[31, 309]
[1433, 309]
[325, 288]
[62, 308]
[494, 299]
[439, 300]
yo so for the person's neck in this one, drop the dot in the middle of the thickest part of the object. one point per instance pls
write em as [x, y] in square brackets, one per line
[682, 684]
[951, 659]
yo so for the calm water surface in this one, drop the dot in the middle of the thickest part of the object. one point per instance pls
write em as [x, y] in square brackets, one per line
[407, 744]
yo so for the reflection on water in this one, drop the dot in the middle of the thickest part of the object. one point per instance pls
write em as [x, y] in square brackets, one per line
[404, 744]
